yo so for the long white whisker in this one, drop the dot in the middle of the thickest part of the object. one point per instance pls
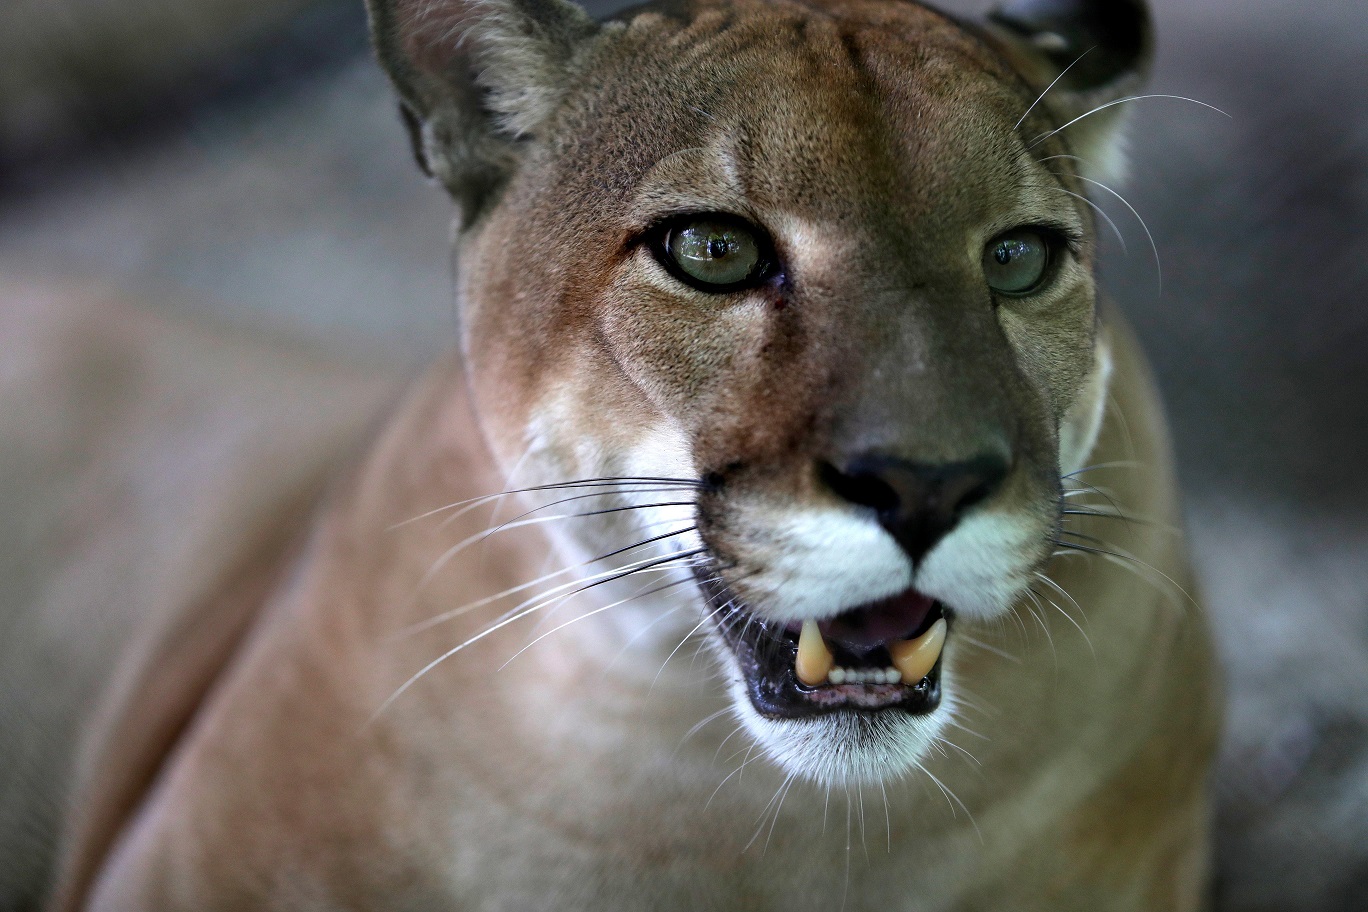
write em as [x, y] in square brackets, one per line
[1040, 619]
[504, 623]
[951, 796]
[467, 608]
[1087, 639]
[888, 818]
[1158, 267]
[949, 743]
[700, 725]
[1042, 95]
[1100, 211]
[1131, 562]
[683, 484]
[965, 638]
[1044, 578]
[697, 627]
[599, 610]
[494, 527]
[1111, 104]
[451, 553]
[734, 772]
[641, 633]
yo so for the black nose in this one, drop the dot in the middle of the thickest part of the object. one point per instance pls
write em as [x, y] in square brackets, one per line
[918, 503]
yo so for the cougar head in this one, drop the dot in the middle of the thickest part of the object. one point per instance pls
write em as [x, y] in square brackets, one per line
[824, 269]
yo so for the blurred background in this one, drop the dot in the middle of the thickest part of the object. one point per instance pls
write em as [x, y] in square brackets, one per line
[245, 161]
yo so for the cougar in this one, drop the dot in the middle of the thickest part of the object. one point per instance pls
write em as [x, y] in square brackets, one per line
[793, 529]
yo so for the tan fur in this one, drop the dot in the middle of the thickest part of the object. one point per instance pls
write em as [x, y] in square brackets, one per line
[301, 765]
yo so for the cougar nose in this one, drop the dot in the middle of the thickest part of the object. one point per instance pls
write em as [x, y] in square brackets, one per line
[918, 503]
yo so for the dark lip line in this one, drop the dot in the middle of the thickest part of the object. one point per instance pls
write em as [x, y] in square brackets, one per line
[919, 699]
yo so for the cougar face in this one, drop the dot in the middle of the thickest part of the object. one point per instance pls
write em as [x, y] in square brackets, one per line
[823, 272]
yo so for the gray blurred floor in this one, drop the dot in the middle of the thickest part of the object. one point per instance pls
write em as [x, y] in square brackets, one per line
[302, 213]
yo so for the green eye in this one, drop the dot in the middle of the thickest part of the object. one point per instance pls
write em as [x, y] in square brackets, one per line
[1015, 263]
[714, 254]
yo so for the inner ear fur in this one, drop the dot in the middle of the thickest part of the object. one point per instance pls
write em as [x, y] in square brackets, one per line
[1088, 53]
[474, 77]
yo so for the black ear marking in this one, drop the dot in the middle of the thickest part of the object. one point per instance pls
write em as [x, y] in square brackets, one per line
[475, 79]
[1103, 40]
[413, 125]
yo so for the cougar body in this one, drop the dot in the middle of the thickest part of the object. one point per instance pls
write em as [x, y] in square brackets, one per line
[872, 435]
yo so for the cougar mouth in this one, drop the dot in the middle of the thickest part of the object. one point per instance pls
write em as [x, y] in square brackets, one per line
[881, 656]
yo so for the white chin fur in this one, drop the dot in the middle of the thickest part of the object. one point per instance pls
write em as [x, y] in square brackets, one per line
[848, 748]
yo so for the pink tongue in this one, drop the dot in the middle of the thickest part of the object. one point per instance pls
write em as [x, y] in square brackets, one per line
[866, 628]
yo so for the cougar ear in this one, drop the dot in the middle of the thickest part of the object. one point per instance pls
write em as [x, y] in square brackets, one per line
[474, 77]
[1087, 53]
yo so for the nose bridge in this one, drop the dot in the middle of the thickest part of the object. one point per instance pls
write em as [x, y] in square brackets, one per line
[931, 385]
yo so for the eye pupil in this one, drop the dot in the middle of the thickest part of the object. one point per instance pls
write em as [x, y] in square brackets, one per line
[715, 253]
[1016, 263]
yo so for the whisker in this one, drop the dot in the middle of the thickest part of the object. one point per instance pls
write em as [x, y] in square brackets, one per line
[1040, 619]
[697, 627]
[965, 638]
[1041, 97]
[467, 608]
[599, 610]
[888, 818]
[509, 620]
[1158, 268]
[1099, 210]
[952, 797]
[541, 600]
[1082, 487]
[1069, 617]
[949, 743]
[1111, 104]
[864, 838]
[1098, 466]
[641, 633]
[607, 481]
[451, 553]
[734, 732]
[702, 724]
[777, 811]
[555, 503]
[1085, 537]
[748, 760]
[1123, 559]
[955, 723]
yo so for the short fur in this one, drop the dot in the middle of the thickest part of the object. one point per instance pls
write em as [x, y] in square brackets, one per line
[302, 764]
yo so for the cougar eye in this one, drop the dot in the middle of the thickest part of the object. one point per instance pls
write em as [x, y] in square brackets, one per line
[1015, 263]
[714, 253]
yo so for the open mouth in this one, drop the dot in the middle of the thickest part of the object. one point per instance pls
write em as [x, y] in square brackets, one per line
[884, 655]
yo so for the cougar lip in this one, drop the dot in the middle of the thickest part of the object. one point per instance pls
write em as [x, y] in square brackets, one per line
[858, 640]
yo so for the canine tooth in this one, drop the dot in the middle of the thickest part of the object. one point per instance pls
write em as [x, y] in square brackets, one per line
[837, 676]
[915, 658]
[814, 659]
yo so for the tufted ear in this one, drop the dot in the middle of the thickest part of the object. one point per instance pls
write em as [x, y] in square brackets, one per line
[1099, 51]
[475, 76]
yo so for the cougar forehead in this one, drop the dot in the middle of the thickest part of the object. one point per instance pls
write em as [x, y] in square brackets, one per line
[867, 140]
